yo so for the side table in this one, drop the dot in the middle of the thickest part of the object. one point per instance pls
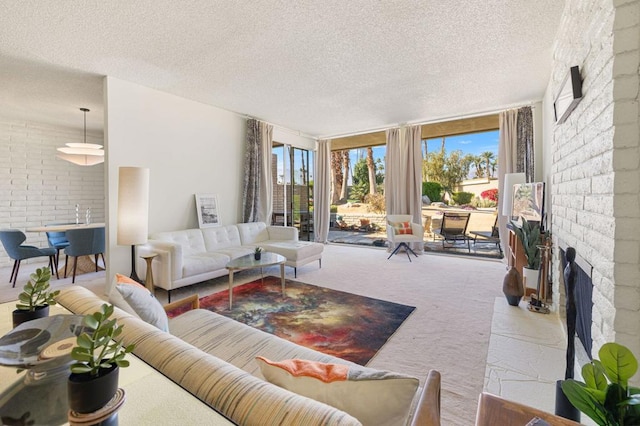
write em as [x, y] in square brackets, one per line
[148, 282]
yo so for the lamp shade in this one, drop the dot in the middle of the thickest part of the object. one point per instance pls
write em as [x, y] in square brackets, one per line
[133, 205]
[510, 179]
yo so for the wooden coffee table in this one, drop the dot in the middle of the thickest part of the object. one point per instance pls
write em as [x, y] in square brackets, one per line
[249, 262]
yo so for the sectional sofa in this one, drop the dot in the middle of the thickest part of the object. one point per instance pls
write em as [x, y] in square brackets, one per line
[191, 256]
[214, 358]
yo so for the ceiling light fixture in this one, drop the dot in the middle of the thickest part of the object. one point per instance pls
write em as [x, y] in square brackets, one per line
[82, 154]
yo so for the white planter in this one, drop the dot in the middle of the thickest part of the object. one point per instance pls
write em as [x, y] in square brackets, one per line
[530, 278]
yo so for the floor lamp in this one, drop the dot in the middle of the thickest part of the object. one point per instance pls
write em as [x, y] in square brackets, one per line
[133, 210]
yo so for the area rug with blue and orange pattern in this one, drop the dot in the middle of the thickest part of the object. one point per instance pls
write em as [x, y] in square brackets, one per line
[337, 323]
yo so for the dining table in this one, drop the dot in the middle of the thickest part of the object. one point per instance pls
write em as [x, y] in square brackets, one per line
[86, 264]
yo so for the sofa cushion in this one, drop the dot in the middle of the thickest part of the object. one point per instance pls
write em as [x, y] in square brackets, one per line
[221, 237]
[202, 263]
[142, 301]
[191, 240]
[372, 396]
[253, 233]
[294, 250]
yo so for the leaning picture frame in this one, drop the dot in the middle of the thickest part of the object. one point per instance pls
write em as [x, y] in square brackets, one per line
[207, 208]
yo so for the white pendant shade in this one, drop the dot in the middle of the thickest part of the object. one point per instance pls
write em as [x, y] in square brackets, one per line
[82, 160]
[133, 205]
[82, 154]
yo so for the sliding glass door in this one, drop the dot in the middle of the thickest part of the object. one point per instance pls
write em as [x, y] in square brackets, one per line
[293, 188]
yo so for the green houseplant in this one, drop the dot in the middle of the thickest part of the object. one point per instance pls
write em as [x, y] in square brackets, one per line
[257, 253]
[605, 394]
[530, 238]
[35, 299]
[97, 355]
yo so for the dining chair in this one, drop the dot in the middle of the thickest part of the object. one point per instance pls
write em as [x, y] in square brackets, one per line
[57, 240]
[84, 242]
[12, 240]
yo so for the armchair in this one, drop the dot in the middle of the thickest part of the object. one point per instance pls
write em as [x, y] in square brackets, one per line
[12, 240]
[401, 232]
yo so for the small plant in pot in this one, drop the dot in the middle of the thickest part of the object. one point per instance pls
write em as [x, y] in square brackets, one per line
[530, 236]
[94, 375]
[257, 254]
[35, 299]
[605, 395]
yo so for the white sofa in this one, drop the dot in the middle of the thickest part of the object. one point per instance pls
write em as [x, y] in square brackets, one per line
[191, 256]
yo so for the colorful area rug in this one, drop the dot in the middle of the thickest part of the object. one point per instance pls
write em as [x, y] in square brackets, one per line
[341, 324]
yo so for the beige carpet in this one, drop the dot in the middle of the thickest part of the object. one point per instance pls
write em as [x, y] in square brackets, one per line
[449, 330]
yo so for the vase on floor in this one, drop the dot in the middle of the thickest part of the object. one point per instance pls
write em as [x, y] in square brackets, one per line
[512, 287]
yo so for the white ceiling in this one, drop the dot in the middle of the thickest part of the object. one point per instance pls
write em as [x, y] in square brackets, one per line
[322, 67]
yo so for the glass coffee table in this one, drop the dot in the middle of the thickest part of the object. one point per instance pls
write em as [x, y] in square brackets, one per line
[249, 262]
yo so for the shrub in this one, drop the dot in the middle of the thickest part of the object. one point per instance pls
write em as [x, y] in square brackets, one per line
[461, 198]
[376, 203]
[333, 208]
[359, 191]
[490, 194]
[433, 190]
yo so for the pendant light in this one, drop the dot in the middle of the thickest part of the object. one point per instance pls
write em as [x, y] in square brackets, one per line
[82, 154]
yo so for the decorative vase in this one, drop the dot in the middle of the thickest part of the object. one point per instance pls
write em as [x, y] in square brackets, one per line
[564, 408]
[257, 256]
[512, 287]
[20, 316]
[87, 393]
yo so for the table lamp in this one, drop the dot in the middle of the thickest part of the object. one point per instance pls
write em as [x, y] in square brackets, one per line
[133, 210]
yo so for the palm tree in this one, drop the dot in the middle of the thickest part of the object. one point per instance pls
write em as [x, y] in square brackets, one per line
[336, 176]
[372, 171]
[487, 157]
[345, 168]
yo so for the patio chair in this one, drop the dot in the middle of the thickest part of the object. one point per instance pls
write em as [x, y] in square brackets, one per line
[401, 231]
[84, 242]
[454, 229]
[488, 237]
[12, 240]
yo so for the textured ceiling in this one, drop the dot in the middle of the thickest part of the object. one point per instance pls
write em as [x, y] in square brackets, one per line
[320, 67]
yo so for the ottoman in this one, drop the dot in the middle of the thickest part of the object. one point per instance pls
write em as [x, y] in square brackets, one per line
[298, 253]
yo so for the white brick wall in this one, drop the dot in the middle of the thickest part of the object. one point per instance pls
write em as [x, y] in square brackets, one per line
[596, 161]
[37, 188]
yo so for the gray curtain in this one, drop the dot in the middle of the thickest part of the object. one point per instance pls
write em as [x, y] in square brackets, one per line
[257, 194]
[322, 191]
[403, 174]
[525, 143]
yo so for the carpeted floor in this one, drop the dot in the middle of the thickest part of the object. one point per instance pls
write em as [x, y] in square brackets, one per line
[448, 331]
[337, 323]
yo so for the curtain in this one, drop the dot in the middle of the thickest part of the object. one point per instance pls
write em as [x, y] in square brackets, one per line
[525, 143]
[507, 153]
[403, 174]
[322, 191]
[257, 194]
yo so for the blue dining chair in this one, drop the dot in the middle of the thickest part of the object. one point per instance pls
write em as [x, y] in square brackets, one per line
[57, 240]
[84, 242]
[12, 240]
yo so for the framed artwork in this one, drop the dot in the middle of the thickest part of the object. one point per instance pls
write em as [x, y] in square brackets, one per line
[528, 202]
[207, 208]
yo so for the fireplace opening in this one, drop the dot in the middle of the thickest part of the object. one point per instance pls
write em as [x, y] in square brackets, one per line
[584, 303]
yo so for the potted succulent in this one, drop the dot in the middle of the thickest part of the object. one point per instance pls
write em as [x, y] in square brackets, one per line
[97, 357]
[605, 395]
[257, 254]
[36, 298]
[530, 236]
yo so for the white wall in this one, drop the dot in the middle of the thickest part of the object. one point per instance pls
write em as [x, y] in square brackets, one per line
[36, 187]
[189, 148]
[595, 160]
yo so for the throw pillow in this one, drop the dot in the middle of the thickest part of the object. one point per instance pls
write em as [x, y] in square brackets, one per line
[374, 397]
[400, 228]
[140, 299]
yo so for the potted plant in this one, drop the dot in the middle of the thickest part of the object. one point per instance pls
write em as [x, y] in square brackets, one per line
[94, 375]
[605, 395]
[530, 237]
[36, 298]
[257, 254]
